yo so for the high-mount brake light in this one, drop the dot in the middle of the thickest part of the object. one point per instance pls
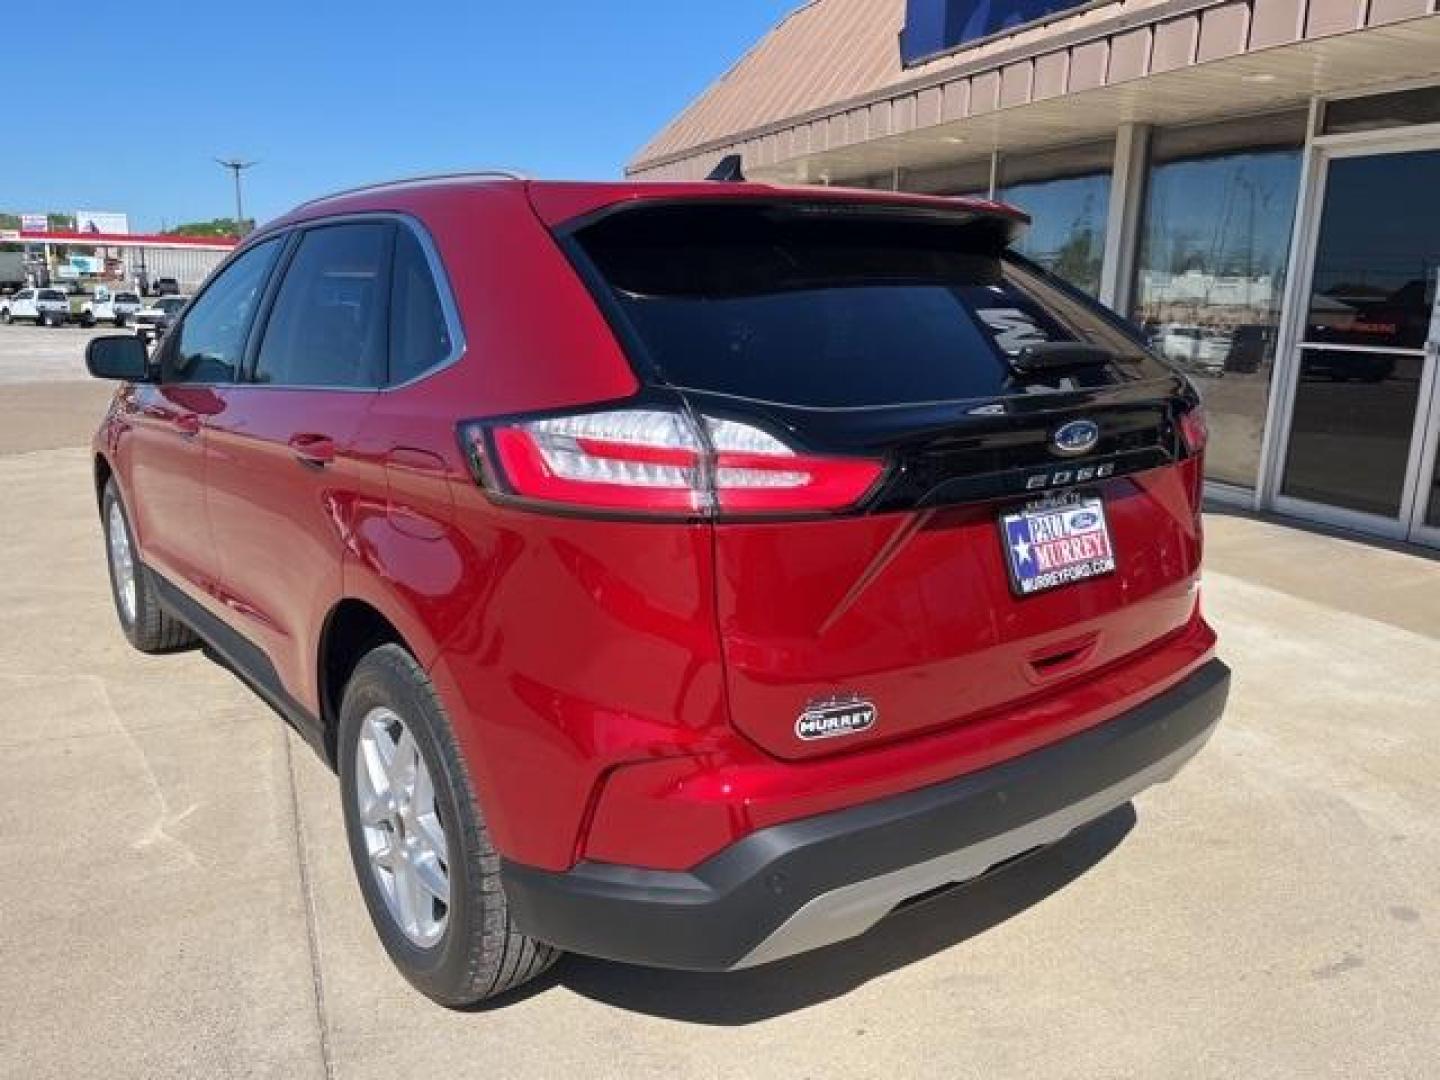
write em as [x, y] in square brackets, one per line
[655, 461]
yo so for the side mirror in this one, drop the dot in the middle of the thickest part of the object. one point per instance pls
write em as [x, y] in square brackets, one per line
[118, 356]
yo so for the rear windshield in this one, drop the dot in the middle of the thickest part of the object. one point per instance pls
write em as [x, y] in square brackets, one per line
[824, 309]
[51, 294]
[126, 298]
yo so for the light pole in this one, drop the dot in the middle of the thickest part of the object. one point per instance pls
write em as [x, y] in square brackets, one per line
[236, 167]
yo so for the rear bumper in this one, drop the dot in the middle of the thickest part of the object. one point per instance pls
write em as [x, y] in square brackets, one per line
[807, 883]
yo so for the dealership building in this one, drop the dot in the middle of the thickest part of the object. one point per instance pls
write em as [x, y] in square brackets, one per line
[1254, 182]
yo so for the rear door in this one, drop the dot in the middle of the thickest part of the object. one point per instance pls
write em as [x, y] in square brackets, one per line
[281, 459]
[1037, 521]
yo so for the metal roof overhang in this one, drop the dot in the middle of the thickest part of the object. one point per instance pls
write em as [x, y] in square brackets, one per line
[1252, 83]
[901, 129]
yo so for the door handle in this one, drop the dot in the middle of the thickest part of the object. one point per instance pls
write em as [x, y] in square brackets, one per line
[187, 424]
[314, 450]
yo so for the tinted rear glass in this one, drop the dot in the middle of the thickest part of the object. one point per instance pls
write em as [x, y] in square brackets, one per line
[51, 294]
[825, 309]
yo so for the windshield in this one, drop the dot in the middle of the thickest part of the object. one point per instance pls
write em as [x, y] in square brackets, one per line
[51, 294]
[171, 304]
[836, 312]
[126, 298]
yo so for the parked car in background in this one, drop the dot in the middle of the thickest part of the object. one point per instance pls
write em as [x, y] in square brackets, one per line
[165, 286]
[1249, 346]
[43, 307]
[117, 308]
[151, 322]
[689, 575]
[1195, 349]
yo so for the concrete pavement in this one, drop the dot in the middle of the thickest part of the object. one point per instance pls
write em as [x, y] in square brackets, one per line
[178, 900]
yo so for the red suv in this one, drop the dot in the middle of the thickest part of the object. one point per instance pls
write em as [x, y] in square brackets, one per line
[685, 574]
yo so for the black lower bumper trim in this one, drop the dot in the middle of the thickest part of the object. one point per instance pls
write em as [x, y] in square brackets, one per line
[714, 916]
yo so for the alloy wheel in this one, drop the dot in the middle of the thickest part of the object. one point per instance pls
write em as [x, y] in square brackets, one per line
[122, 562]
[400, 821]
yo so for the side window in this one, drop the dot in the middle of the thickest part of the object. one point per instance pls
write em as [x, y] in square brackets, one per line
[212, 337]
[24, 294]
[328, 324]
[419, 335]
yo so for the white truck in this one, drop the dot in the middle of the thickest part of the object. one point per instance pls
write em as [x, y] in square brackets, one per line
[119, 308]
[44, 307]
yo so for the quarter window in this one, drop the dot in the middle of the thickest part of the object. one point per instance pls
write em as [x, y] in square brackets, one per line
[419, 336]
[328, 326]
[212, 337]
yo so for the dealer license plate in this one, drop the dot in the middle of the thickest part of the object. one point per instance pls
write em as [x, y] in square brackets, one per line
[1050, 544]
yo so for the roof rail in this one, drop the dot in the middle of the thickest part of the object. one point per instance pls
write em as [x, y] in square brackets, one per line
[473, 174]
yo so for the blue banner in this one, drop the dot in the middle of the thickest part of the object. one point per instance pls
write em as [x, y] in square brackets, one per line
[937, 26]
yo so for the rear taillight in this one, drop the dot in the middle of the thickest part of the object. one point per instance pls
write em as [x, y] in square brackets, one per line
[1194, 429]
[656, 461]
[1195, 433]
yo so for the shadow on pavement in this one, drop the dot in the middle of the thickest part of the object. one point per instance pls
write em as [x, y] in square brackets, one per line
[908, 935]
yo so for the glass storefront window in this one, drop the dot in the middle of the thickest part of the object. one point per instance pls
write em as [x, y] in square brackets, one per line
[1066, 192]
[1068, 231]
[1209, 283]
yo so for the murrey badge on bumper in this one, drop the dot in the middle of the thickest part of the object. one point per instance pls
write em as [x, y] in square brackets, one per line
[834, 717]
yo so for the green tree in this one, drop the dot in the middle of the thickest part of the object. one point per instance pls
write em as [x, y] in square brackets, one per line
[222, 226]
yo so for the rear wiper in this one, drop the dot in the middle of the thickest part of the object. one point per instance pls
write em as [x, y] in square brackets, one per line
[1059, 356]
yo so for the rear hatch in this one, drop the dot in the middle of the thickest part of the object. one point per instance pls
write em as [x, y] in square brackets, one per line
[1036, 519]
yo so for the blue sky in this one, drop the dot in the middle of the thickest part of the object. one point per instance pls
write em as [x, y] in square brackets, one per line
[331, 94]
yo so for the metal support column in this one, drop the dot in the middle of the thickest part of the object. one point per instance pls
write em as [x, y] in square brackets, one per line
[1122, 225]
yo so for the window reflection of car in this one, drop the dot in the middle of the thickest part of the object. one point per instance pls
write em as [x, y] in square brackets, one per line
[1194, 348]
[152, 322]
[1249, 345]
[1342, 365]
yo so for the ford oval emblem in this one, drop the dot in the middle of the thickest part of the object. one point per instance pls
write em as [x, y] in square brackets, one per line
[1085, 519]
[1075, 438]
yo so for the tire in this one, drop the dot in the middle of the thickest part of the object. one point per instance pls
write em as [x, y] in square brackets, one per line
[6, 317]
[146, 625]
[456, 953]
[119, 322]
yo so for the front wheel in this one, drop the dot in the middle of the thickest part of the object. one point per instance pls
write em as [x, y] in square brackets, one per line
[147, 626]
[6, 317]
[422, 853]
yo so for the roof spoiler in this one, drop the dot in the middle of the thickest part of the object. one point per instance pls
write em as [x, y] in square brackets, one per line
[729, 171]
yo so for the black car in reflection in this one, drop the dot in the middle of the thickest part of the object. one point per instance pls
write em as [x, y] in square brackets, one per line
[1250, 344]
[1339, 365]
